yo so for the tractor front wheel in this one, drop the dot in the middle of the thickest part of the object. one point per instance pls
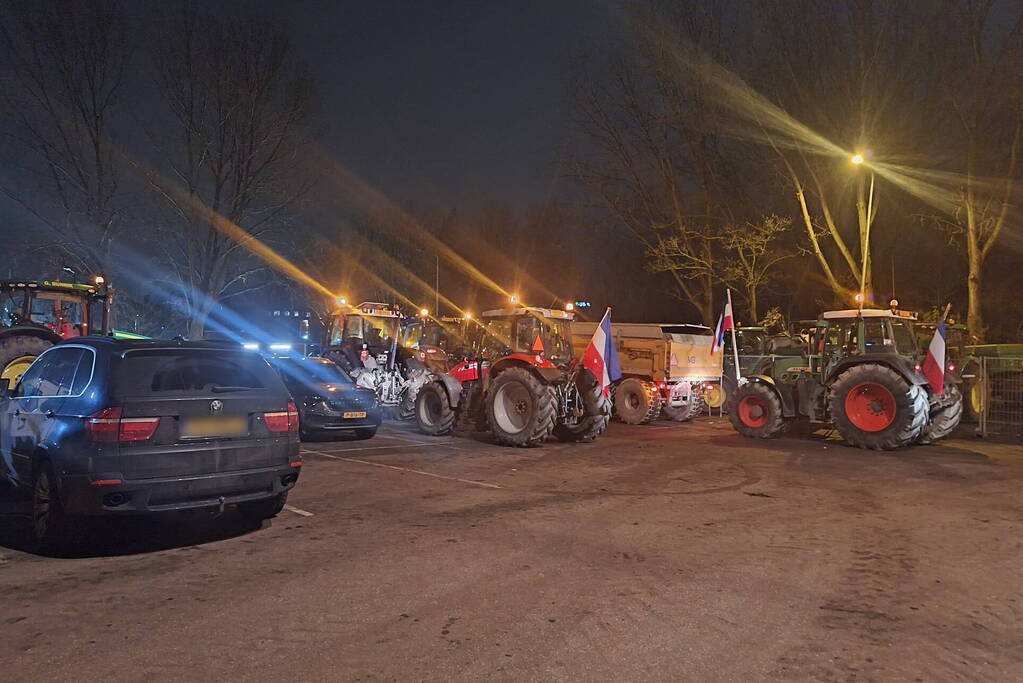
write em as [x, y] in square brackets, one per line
[521, 408]
[433, 412]
[876, 408]
[17, 351]
[596, 412]
[756, 411]
[946, 418]
[636, 402]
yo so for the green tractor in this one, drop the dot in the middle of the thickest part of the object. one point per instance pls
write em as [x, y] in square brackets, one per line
[862, 374]
[36, 315]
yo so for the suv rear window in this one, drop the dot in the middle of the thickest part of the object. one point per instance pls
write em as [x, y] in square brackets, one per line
[159, 371]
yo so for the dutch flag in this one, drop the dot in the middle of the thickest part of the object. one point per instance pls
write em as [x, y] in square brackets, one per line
[724, 325]
[601, 356]
[934, 364]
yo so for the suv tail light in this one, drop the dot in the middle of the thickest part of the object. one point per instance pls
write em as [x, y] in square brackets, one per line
[283, 421]
[107, 426]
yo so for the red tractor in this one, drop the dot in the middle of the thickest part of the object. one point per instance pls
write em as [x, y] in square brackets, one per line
[519, 382]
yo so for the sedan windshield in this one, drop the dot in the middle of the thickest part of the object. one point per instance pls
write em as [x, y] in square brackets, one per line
[312, 371]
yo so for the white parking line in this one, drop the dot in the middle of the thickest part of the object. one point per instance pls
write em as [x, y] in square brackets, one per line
[407, 469]
[298, 511]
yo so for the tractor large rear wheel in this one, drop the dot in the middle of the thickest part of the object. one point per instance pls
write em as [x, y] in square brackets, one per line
[433, 412]
[636, 402]
[521, 408]
[756, 411]
[875, 407]
[945, 419]
[596, 411]
[17, 351]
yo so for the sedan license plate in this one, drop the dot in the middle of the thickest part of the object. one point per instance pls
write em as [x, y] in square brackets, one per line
[354, 413]
[223, 426]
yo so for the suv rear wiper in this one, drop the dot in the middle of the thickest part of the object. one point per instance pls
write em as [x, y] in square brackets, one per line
[220, 389]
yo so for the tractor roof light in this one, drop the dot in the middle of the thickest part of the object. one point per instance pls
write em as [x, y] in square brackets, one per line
[468, 315]
[99, 280]
[514, 298]
[424, 312]
[342, 301]
[569, 306]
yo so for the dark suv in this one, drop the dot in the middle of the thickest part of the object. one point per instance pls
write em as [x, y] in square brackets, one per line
[100, 426]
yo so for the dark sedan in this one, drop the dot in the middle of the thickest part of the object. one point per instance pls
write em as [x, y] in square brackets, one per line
[328, 400]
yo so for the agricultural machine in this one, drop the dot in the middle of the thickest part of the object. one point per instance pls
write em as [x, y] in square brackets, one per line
[862, 374]
[519, 382]
[439, 342]
[36, 315]
[364, 340]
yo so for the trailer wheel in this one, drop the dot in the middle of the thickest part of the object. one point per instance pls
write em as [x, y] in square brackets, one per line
[434, 414]
[876, 408]
[945, 419]
[689, 411]
[636, 402]
[756, 411]
[521, 408]
[596, 412]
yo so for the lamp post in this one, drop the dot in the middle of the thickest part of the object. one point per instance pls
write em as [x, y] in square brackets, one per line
[859, 160]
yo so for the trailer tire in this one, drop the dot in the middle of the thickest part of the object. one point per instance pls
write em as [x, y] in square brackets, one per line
[876, 408]
[596, 412]
[687, 412]
[636, 401]
[521, 408]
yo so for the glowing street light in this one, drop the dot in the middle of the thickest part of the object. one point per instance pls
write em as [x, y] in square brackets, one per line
[424, 312]
[468, 315]
[857, 159]
[342, 301]
[569, 306]
[514, 298]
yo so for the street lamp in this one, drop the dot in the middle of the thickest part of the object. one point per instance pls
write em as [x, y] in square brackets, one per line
[858, 160]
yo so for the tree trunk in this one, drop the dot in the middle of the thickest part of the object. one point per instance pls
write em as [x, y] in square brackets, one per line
[975, 263]
[753, 312]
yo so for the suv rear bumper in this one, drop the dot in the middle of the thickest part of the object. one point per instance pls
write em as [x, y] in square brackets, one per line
[81, 497]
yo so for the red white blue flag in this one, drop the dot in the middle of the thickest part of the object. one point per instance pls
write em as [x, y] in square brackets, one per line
[934, 364]
[725, 324]
[601, 356]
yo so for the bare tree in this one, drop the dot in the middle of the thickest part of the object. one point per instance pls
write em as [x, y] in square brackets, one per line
[754, 251]
[66, 67]
[237, 99]
[983, 84]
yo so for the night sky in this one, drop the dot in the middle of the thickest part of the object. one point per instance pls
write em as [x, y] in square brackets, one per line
[449, 102]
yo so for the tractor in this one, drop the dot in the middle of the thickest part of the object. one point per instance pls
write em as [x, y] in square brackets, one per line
[861, 374]
[439, 342]
[364, 340]
[760, 352]
[35, 315]
[519, 382]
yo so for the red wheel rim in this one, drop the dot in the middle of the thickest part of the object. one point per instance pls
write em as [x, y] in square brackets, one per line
[753, 411]
[870, 407]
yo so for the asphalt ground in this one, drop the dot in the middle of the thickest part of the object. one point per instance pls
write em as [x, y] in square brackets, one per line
[659, 552]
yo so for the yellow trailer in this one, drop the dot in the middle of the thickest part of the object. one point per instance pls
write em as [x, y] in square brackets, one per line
[664, 367]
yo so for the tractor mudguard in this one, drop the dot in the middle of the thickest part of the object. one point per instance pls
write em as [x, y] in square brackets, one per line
[784, 392]
[550, 375]
[31, 331]
[548, 372]
[452, 387]
[897, 363]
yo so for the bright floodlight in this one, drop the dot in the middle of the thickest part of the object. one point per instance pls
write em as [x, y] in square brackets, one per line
[857, 159]
[468, 315]
[100, 279]
[280, 347]
[859, 298]
[250, 346]
[342, 301]
[515, 298]
[424, 312]
[569, 306]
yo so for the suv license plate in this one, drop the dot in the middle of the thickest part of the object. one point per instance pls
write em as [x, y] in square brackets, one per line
[356, 413]
[219, 426]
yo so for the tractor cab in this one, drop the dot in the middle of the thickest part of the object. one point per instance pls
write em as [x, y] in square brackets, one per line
[854, 334]
[528, 331]
[370, 326]
[35, 315]
[440, 341]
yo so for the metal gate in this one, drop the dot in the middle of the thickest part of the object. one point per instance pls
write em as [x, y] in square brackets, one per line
[997, 396]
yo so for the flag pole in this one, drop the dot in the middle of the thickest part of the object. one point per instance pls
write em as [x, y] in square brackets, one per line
[735, 347]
